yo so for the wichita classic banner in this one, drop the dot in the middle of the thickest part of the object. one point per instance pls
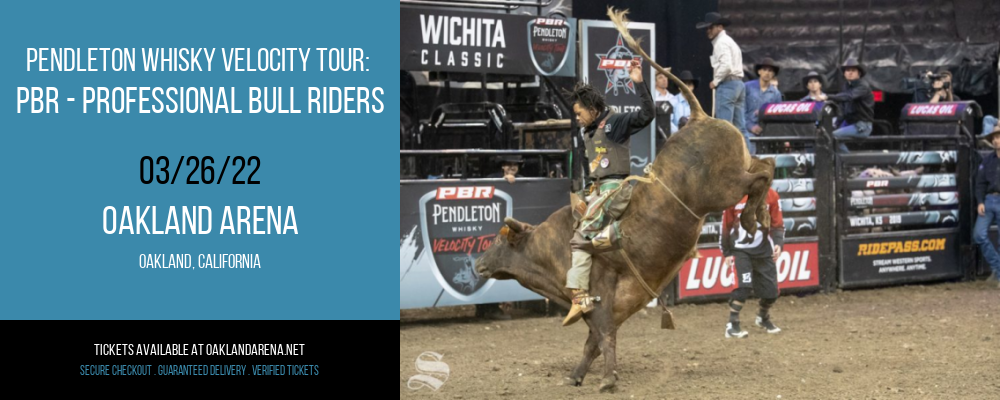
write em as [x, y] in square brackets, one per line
[436, 39]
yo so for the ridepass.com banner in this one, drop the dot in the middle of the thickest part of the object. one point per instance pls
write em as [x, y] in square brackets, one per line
[189, 187]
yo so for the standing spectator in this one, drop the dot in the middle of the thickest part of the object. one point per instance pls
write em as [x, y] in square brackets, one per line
[754, 260]
[682, 110]
[727, 79]
[857, 102]
[988, 198]
[662, 95]
[814, 83]
[662, 85]
[762, 91]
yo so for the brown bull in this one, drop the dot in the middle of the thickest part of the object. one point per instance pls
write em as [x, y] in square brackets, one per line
[706, 164]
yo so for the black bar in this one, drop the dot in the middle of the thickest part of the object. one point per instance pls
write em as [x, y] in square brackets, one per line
[968, 255]
[802, 185]
[826, 210]
[783, 139]
[905, 200]
[896, 139]
[474, 180]
[798, 204]
[903, 182]
[918, 218]
[86, 354]
[479, 152]
[790, 160]
[715, 228]
[902, 158]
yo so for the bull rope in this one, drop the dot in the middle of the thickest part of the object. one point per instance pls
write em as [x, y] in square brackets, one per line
[652, 178]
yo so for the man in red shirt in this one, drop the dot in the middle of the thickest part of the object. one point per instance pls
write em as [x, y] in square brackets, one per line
[754, 258]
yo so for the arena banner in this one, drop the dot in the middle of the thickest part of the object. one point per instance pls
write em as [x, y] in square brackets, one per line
[932, 219]
[935, 199]
[791, 160]
[793, 185]
[603, 58]
[904, 182]
[791, 111]
[935, 112]
[446, 225]
[803, 226]
[442, 39]
[899, 257]
[798, 267]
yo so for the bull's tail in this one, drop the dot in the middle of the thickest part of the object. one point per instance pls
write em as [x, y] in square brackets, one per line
[621, 23]
[759, 179]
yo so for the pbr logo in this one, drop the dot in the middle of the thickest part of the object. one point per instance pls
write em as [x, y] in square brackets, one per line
[548, 44]
[458, 224]
[614, 64]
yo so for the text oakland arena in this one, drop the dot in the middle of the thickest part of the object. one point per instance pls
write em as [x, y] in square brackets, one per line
[198, 220]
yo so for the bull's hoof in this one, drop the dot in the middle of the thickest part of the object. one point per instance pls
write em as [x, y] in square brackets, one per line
[608, 384]
[572, 382]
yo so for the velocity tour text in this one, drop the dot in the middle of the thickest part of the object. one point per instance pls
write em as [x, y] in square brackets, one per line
[198, 220]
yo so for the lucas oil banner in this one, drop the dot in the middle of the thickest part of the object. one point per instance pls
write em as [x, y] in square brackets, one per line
[603, 58]
[798, 267]
[446, 225]
[433, 39]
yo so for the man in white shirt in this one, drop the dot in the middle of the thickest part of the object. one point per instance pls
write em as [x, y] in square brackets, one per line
[727, 80]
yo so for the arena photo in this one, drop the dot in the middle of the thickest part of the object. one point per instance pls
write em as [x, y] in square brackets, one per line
[660, 200]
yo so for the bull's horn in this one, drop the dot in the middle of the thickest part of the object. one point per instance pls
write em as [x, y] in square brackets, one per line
[514, 224]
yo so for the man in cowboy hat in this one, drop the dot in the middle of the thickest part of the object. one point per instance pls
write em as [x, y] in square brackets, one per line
[682, 110]
[727, 80]
[760, 92]
[509, 168]
[988, 200]
[857, 102]
[814, 83]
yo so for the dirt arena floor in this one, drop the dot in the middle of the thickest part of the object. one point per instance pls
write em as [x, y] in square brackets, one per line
[918, 342]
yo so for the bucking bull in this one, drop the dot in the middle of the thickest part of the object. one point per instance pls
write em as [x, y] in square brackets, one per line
[707, 167]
